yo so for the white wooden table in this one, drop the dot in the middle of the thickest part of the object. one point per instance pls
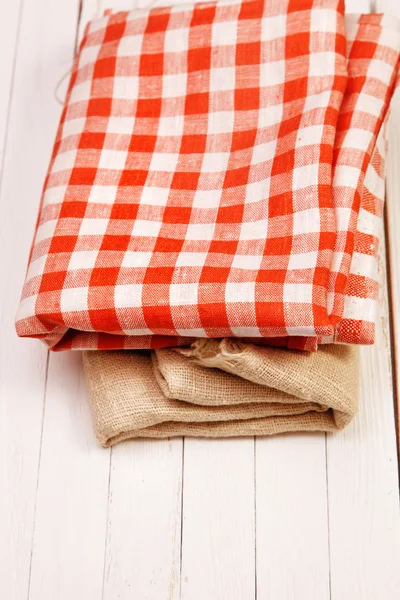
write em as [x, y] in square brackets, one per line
[301, 517]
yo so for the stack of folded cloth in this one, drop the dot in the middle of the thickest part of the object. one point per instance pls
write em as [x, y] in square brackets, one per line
[208, 231]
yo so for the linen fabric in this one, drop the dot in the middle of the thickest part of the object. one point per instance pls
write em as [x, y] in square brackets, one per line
[165, 394]
[363, 223]
[190, 192]
[357, 325]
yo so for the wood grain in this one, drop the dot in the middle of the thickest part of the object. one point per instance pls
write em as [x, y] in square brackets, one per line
[393, 222]
[72, 498]
[71, 509]
[292, 518]
[43, 51]
[9, 29]
[218, 541]
[144, 522]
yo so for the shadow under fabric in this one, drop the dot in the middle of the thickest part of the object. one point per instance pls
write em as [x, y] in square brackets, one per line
[220, 389]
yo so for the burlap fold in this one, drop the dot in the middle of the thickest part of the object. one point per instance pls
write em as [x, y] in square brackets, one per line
[166, 394]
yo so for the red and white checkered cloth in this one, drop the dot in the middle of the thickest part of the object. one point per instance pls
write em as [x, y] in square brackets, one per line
[373, 48]
[357, 325]
[190, 191]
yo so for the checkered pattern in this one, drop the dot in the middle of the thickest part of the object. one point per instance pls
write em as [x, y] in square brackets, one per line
[372, 39]
[357, 325]
[373, 52]
[190, 193]
[190, 181]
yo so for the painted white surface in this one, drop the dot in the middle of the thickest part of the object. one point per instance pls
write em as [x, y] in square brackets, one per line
[143, 556]
[294, 517]
[9, 29]
[43, 50]
[72, 497]
[218, 541]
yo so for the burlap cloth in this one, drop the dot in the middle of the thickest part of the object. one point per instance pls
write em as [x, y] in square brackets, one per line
[220, 389]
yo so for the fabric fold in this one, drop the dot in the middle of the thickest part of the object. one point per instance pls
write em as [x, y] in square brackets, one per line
[207, 178]
[165, 393]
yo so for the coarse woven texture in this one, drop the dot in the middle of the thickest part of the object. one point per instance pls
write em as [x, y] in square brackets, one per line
[165, 394]
[176, 205]
[315, 377]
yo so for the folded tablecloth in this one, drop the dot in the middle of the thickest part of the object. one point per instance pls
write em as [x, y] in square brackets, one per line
[165, 393]
[191, 191]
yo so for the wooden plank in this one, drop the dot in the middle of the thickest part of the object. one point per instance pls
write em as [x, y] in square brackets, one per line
[218, 543]
[292, 518]
[9, 28]
[41, 59]
[144, 524]
[393, 222]
[363, 483]
[72, 501]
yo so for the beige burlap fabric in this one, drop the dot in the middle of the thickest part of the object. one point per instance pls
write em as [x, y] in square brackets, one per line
[168, 393]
